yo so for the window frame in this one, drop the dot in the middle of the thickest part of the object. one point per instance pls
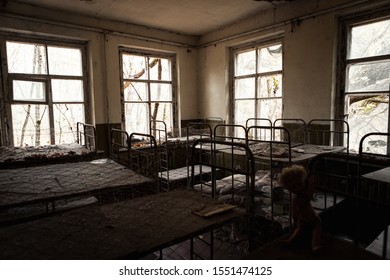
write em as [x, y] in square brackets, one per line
[257, 75]
[8, 78]
[173, 82]
[344, 39]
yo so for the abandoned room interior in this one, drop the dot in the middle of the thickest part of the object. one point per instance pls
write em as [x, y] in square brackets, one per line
[159, 129]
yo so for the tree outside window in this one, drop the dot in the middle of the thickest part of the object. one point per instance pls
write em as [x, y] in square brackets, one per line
[147, 90]
[257, 90]
[366, 82]
[46, 92]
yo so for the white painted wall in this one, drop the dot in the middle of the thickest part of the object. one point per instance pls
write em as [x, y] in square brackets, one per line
[309, 33]
[103, 54]
[308, 29]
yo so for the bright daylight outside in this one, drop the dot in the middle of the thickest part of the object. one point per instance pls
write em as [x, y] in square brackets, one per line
[258, 84]
[367, 85]
[47, 97]
[147, 92]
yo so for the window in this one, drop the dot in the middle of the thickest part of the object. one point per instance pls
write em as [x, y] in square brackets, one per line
[257, 87]
[366, 80]
[147, 90]
[45, 91]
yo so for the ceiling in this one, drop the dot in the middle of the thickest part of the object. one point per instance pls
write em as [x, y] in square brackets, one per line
[190, 17]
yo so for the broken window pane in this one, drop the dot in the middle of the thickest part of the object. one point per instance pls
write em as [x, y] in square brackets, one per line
[26, 58]
[134, 67]
[270, 108]
[368, 77]
[270, 59]
[67, 90]
[66, 117]
[367, 81]
[245, 63]
[30, 125]
[271, 86]
[375, 144]
[28, 91]
[370, 40]
[65, 61]
[245, 88]
[366, 114]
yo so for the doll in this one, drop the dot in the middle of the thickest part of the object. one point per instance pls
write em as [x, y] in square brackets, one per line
[296, 180]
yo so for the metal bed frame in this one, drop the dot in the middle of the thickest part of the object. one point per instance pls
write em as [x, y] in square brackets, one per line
[272, 162]
[336, 135]
[373, 186]
[206, 152]
[17, 157]
[137, 151]
[230, 132]
[119, 146]
[175, 152]
[86, 136]
[296, 127]
[258, 122]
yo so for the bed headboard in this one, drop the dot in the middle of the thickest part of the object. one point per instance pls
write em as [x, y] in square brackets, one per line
[86, 136]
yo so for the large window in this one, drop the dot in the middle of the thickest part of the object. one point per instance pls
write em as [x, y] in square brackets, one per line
[257, 87]
[147, 90]
[45, 91]
[365, 80]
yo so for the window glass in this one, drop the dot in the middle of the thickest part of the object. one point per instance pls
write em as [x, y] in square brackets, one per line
[243, 110]
[147, 90]
[257, 88]
[370, 40]
[64, 61]
[28, 90]
[245, 63]
[30, 124]
[45, 105]
[26, 58]
[370, 76]
[270, 86]
[270, 58]
[135, 91]
[245, 88]
[160, 92]
[366, 114]
[134, 67]
[67, 90]
[162, 112]
[160, 69]
[66, 117]
[137, 117]
[270, 108]
[367, 81]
